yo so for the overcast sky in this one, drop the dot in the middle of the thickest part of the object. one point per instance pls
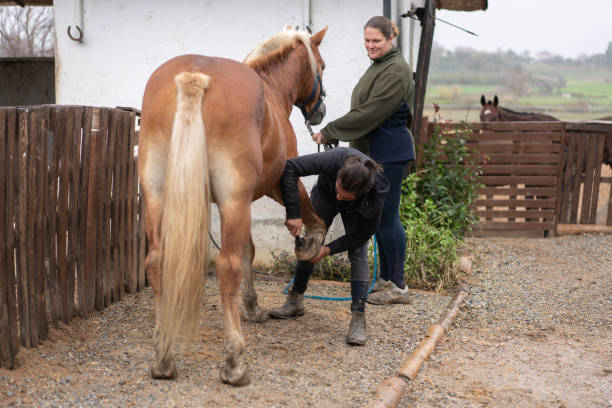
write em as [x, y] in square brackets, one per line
[562, 27]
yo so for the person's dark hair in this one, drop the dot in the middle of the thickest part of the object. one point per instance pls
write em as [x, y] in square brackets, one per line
[384, 25]
[357, 175]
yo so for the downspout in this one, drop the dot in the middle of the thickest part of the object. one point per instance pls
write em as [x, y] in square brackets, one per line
[307, 20]
[387, 9]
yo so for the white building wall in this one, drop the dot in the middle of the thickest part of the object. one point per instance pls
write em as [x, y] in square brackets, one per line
[125, 41]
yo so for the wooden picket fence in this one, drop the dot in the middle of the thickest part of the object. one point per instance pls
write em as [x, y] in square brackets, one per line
[539, 178]
[71, 230]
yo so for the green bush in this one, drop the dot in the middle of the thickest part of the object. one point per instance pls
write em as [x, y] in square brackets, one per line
[435, 209]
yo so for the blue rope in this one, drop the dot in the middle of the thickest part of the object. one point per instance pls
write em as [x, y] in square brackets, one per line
[374, 276]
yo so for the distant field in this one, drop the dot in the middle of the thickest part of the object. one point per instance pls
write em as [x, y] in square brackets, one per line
[586, 93]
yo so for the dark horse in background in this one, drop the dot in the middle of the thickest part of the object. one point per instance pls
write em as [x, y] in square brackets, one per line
[492, 112]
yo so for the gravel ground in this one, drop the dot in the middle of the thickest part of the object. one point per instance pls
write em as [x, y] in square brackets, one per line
[535, 331]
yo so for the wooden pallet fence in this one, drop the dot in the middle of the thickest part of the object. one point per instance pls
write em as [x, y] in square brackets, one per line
[583, 183]
[71, 232]
[520, 175]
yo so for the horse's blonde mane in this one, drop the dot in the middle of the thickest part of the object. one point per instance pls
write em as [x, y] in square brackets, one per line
[277, 47]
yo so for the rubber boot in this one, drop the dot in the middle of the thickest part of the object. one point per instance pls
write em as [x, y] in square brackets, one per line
[293, 306]
[357, 333]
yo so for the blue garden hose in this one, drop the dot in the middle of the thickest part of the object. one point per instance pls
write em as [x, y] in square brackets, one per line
[374, 276]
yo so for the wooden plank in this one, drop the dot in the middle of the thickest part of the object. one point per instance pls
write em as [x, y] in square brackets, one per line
[505, 191]
[532, 203]
[598, 160]
[133, 203]
[516, 226]
[521, 169]
[121, 196]
[11, 239]
[580, 159]
[535, 158]
[54, 281]
[73, 233]
[113, 249]
[587, 192]
[508, 233]
[100, 139]
[519, 126]
[517, 148]
[547, 214]
[85, 299]
[42, 146]
[116, 206]
[108, 179]
[132, 279]
[21, 233]
[559, 182]
[568, 229]
[590, 127]
[6, 357]
[516, 180]
[568, 179]
[92, 216]
[65, 274]
[529, 138]
[31, 225]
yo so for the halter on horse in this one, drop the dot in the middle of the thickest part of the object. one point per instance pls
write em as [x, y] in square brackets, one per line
[491, 112]
[216, 130]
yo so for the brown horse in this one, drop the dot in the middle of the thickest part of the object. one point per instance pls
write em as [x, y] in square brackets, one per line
[217, 130]
[492, 112]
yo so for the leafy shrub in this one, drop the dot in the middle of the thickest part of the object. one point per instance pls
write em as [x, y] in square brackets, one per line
[435, 208]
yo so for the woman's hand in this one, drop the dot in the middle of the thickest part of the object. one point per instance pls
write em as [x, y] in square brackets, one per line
[318, 138]
[294, 226]
[324, 251]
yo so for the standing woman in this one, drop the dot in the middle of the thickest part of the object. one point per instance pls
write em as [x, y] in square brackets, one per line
[377, 125]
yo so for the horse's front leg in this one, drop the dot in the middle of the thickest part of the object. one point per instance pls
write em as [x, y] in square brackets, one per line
[251, 310]
[306, 247]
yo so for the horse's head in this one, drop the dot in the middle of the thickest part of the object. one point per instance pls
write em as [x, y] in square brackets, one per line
[311, 92]
[490, 111]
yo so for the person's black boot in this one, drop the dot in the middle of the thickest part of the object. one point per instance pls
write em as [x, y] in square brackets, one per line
[357, 334]
[293, 306]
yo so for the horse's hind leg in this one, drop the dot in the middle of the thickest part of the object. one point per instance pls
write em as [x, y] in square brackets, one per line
[235, 232]
[251, 310]
[151, 169]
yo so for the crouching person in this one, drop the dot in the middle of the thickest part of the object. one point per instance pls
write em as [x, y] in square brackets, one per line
[349, 183]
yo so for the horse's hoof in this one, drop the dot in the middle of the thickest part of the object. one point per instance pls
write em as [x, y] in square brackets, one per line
[236, 376]
[166, 370]
[307, 248]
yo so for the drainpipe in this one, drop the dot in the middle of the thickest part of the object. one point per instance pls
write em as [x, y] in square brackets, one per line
[307, 20]
[387, 9]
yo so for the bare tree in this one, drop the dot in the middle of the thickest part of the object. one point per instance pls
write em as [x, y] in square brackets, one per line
[26, 31]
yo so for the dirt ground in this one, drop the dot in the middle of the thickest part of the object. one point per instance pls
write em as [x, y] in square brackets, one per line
[534, 332]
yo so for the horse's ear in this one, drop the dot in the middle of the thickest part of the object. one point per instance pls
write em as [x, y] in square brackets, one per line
[495, 101]
[288, 28]
[483, 101]
[318, 37]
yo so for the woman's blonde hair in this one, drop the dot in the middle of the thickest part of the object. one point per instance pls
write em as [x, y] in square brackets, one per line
[384, 25]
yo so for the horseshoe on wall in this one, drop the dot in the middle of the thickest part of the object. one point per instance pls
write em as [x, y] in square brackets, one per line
[79, 38]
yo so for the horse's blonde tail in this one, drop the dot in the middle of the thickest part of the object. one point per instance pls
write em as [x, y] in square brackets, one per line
[185, 217]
